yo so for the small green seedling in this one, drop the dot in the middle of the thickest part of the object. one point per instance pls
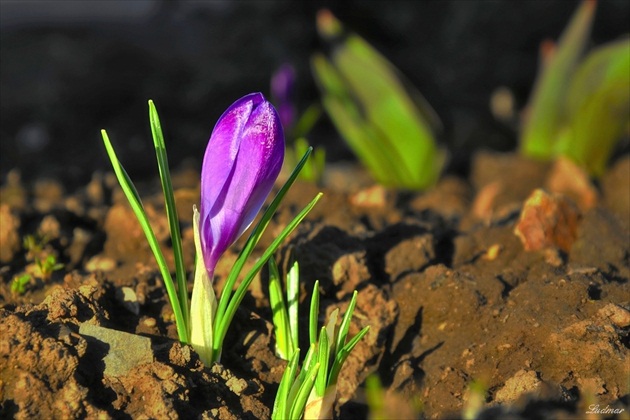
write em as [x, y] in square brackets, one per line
[310, 391]
[383, 404]
[386, 122]
[34, 246]
[45, 261]
[19, 283]
[475, 399]
[47, 266]
[579, 107]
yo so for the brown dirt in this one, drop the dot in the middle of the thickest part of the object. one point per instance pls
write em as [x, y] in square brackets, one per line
[451, 295]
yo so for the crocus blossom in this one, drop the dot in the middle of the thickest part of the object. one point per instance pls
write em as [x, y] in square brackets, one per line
[241, 163]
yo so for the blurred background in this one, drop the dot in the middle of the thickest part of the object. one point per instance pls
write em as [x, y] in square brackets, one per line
[70, 68]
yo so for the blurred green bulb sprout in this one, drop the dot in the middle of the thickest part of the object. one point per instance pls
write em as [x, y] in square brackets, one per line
[283, 83]
[579, 107]
[388, 125]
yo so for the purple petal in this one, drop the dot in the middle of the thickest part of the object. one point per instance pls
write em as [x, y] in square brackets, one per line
[241, 163]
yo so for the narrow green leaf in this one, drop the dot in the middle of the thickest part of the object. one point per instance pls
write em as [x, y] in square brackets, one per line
[293, 291]
[375, 396]
[307, 121]
[346, 116]
[331, 327]
[342, 355]
[546, 111]
[136, 205]
[389, 109]
[598, 107]
[281, 405]
[313, 314]
[297, 411]
[307, 367]
[309, 361]
[345, 322]
[323, 358]
[279, 311]
[171, 211]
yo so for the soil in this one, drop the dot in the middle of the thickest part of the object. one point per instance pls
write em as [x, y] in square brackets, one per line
[504, 295]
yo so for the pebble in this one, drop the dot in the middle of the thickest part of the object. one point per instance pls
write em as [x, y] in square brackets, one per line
[127, 297]
[125, 351]
[100, 263]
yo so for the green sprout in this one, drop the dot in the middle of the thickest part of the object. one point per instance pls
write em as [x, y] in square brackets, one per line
[285, 315]
[387, 124]
[177, 290]
[314, 169]
[47, 266]
[383, 404]
[45, 261]
[579, 107]
[309, 391]
[475, 399]
[34, 245]
[19, 283]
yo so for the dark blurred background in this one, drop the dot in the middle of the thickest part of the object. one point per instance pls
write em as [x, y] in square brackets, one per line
[70, 68]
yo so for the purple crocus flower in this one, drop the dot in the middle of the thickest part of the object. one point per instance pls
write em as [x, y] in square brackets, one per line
[241, 164]
[242, 161]
[282, 92]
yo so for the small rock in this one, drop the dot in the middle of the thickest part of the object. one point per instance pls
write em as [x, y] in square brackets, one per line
[618, 315]
[127, 297]
[547, 220]
[375, 197]
[100, 263]
[125, 351]
[350, 270]
[523, 382]
[236, 385]
[492, 253]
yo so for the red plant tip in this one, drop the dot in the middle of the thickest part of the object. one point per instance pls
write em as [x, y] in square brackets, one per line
[547, 50]
[328, 25]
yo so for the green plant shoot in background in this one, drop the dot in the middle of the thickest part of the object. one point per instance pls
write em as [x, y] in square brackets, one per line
[283, 82]
[579, 107]
[386, 122]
